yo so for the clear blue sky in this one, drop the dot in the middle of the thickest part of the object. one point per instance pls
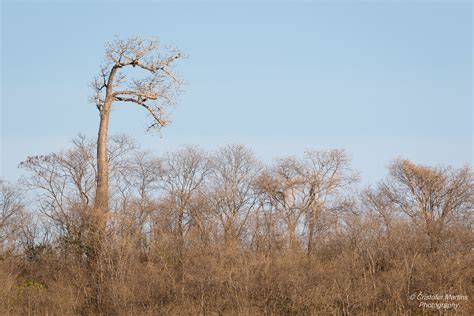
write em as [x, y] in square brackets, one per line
[381, 80]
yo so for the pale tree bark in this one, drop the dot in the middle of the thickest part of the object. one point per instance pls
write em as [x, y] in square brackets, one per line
[300, 190]
[154, 91]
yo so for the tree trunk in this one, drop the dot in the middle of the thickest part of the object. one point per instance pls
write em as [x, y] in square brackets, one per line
[312, 219]
[180, 248]
[101, 203]
[98, 223]
[292, 235]
[309, 249]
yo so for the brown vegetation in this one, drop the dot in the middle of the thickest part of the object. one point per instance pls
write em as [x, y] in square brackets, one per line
[193, 232]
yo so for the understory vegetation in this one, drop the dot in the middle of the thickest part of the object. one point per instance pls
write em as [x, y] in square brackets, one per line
[192, 232]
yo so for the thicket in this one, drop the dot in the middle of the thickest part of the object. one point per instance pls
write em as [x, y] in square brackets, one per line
[192, 232]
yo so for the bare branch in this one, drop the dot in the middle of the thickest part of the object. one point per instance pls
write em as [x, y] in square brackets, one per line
[116, 81]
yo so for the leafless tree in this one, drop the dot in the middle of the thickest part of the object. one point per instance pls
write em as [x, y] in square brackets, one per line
[378, 203]
[431, 196]
[182, 176]
[136, 184]
[234, 170]
[64, 183]
[282, 187]
[301, 190]
[156, 88]
[12, 216]
[328, 175]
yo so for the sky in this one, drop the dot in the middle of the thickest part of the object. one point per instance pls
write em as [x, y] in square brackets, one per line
[379, 79]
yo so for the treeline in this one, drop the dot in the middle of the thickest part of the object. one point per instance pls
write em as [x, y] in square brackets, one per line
[192, 232]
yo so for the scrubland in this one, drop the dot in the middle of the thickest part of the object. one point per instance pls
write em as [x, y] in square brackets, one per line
[192, 232]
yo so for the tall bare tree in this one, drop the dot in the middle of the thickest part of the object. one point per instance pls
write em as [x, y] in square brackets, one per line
[153, 87]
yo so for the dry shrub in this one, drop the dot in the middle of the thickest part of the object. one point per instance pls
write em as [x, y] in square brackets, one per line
[241, 246]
